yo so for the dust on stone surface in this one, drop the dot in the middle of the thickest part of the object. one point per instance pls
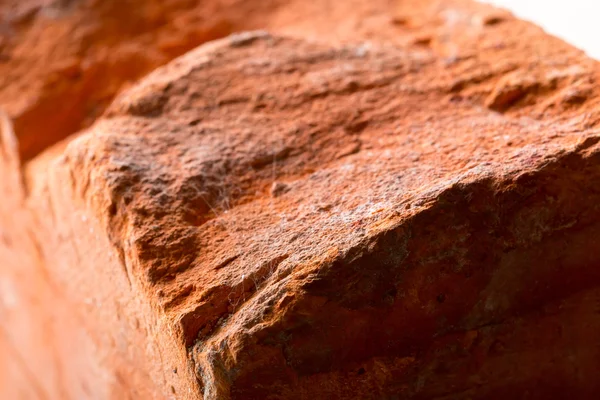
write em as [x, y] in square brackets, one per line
[365, 199]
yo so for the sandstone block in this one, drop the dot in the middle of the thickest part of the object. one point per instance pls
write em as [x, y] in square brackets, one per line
[347, 214]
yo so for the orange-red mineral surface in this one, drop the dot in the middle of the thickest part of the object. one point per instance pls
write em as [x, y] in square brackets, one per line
[250, 199]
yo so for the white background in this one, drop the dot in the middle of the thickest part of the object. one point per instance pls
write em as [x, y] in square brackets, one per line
[575, 21]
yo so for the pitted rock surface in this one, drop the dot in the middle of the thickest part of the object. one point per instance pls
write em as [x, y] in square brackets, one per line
[387, 211]
[401, 203]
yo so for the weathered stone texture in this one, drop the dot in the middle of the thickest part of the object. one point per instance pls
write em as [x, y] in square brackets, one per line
[379, 200]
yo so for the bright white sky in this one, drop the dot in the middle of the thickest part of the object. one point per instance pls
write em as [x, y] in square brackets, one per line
[576, 21]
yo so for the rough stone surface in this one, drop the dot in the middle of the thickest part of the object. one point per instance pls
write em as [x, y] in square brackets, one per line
[382, 200]
[62, 61]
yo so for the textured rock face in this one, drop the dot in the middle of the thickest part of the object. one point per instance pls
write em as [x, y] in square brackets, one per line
[384, 200]
[62, 61]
